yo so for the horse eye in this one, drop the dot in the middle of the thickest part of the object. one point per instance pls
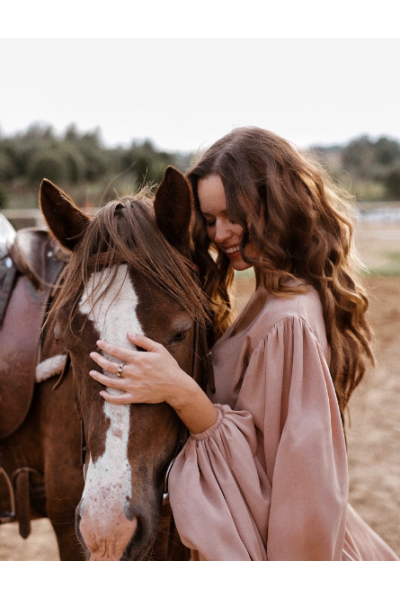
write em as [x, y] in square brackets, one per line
[179, 337]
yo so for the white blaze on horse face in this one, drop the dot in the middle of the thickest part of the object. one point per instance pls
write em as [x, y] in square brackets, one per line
[108, 480]
[114, 314]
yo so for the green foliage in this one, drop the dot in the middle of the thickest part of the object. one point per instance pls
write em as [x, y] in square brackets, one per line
[392, 183]
[370, 160]
[365, 167]
[3, 196]
[78, 159]
[7, 167]
[49, 163]
[145, 162]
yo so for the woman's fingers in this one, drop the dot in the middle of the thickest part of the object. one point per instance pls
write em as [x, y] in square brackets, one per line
[121, 353]
[112, 382]
[127, 355]
[144, 342]
[107, 365]
[120, 399]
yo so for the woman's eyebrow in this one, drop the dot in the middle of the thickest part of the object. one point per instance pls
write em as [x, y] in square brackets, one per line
[223, 212]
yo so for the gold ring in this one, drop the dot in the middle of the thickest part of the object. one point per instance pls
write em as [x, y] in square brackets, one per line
[119, 372]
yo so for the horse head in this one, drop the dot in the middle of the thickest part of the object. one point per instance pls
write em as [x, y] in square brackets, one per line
[130, 270]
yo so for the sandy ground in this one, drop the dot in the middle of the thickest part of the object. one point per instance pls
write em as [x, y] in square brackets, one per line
[40, 545]
[374, 435]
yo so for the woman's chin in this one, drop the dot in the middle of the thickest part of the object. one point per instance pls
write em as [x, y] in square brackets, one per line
[239, 264]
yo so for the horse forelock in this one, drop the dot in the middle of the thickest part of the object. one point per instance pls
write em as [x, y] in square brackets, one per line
[125, 230]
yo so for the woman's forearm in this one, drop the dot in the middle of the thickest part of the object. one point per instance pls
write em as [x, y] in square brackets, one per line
[194, 408]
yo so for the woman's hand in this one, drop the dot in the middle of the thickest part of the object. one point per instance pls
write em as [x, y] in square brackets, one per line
[147, 377]
[152, 377]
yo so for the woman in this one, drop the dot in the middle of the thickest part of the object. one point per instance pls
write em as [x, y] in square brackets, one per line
[264, 474]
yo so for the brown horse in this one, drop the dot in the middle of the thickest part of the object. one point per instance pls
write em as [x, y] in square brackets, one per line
[130, 270]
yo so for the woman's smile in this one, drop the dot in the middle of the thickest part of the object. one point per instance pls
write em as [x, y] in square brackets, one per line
[232, 251]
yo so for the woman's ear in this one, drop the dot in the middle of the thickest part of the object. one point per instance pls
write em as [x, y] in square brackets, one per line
[173, 207]
[65, 220]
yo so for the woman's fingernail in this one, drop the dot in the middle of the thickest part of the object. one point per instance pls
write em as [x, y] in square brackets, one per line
[92, 354]
[133, 335]
[99, 342]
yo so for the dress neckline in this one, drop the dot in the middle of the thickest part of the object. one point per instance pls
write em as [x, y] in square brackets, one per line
[248, 314]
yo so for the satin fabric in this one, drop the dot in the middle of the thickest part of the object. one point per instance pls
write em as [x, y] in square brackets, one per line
[269, 480]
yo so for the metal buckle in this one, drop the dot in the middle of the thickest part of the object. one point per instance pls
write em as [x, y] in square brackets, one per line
[165, 491]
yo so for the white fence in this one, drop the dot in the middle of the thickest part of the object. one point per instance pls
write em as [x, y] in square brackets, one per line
[30, 217]
[25, 214]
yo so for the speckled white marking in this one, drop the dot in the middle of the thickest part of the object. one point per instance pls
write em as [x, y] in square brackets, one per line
[108, 480]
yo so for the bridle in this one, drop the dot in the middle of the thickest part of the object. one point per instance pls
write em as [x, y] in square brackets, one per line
[203, 373]
[202, 369]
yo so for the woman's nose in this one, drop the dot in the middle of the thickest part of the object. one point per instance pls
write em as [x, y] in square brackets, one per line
[222, 232]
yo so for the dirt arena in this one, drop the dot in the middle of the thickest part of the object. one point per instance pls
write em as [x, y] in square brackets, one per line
[374, 434]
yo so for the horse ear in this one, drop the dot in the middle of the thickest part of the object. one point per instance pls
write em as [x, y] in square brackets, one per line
[173, 206]
[65, 220]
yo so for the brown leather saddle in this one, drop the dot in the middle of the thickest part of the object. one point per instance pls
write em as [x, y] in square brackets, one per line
[28, 273]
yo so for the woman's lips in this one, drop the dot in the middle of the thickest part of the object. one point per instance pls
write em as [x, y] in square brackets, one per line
[232, 252]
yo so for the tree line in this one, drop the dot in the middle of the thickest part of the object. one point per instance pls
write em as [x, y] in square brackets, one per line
[368, 168]
[81, 162]
[75, 160]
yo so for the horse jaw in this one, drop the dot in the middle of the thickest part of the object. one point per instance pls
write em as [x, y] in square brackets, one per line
[104, 524]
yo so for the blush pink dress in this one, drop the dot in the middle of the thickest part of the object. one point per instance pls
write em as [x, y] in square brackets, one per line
[269, 480]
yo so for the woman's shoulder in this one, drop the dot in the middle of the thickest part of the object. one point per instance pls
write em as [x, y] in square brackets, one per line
[267, 315]
[293, 308]
[306, 305]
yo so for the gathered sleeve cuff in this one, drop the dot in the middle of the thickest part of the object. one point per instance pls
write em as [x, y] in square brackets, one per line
[215, 488]
[211, 430]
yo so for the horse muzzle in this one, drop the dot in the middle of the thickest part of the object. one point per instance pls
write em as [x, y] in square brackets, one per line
[105, 537]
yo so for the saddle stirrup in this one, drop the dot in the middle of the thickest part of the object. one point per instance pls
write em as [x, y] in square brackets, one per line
[8, 516]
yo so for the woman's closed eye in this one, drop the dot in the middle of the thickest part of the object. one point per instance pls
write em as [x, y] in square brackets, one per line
[212, 223]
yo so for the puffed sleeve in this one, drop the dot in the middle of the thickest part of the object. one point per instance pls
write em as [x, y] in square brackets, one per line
[268, 481]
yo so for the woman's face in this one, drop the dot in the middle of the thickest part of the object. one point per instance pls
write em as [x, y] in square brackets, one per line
[224, 233]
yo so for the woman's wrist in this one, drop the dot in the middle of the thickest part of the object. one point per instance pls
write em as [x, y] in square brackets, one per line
[193, 406]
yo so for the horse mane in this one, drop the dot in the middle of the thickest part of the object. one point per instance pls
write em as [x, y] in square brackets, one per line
[125, 231]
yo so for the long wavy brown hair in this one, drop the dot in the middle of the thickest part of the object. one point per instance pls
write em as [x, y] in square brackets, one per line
[302, 227]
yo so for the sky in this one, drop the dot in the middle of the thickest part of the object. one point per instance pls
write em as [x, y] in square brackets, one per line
[184, 94]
